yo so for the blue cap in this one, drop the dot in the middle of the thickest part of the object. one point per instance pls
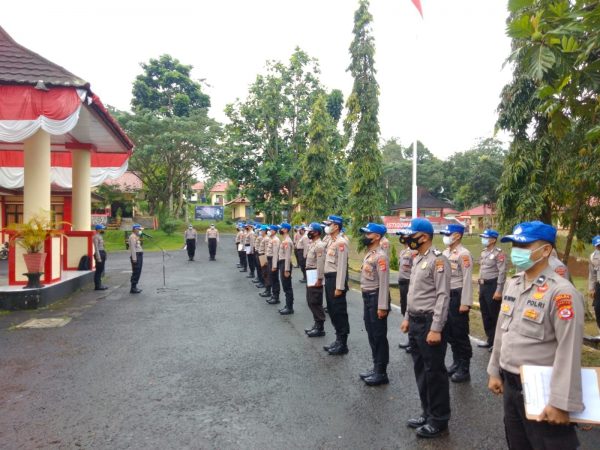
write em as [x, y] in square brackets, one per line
[136, 226]
[453, 228]
[419, 225]
[274, 227]
[99, 226]
[335, 219]
[528, 232]
[315, 227]
[296, 227]
[374, 228]
[596, 241]
[285, 225]
[264, 228]
[489, 233]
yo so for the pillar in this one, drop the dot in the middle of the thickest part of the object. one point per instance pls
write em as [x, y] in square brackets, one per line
[81, 211]
[36, 191]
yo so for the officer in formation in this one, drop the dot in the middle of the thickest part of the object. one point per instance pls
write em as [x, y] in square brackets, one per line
[541, 323]
[427, 313]
[461, 300]
[492, 275]
[262, 257]
[268, 263]
[249, 238]
[257, 241]
[284, 264]
[594, 278]
[239, 244]
[301, 249]
[136, 255]
[212, 238]
[374, 284]
[315, 266]
[99, 256]
[190, 236]
[275, 287]
[405, 263]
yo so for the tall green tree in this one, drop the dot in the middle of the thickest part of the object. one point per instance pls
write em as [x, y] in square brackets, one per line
[318, 194]
[362, 125]
[166, 87]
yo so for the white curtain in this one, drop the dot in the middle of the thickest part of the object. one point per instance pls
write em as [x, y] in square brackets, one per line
[19, 130]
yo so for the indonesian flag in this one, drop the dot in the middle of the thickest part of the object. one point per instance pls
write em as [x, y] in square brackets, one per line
[417, 4]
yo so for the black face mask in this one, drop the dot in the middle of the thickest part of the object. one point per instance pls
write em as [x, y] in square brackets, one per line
[366, 241]
[413, 242]
[402, 239]
[281, 232]
[311, 235]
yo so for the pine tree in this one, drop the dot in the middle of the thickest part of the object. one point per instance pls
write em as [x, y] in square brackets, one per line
[318, 186]
[362, 125]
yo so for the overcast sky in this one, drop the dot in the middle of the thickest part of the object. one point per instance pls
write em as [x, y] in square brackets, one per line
[440, 78]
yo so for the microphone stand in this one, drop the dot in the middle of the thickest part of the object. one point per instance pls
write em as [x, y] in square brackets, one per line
[164, 287]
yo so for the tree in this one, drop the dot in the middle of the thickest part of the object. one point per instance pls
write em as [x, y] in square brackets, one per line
[165, 87]
[362, 125]
[319, 185]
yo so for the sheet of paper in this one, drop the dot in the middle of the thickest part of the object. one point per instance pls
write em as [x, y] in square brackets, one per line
[311, 277]
[536, 391]
[248, 249]
[240, 247]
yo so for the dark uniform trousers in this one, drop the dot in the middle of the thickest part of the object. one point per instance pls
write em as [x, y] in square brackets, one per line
[267, 273]
[337, 306]
[136, 268]
[458, 329]
[524, 434]
[403, 286]
[259, 269]
[286, 284]
[99, 269]
[251, 262]
[212, 247]
[377, 332]
[301, 261]
[191, 247]
[243, 259]
[430, 370]
[596, 303]
[275, 287]
[490, 308]
[314, 298]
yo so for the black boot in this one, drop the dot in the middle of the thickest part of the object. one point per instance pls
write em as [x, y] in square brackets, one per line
[273, 301]
[462, 374]
[134, 289]
[267, 293]
[306, 330]
[286, 311]
[452, 369]
[251, 275]
[366, 373]
[334, 344]
[244, 270]
[318, 331]
[342, 348]
[260, 286]
[379, 377]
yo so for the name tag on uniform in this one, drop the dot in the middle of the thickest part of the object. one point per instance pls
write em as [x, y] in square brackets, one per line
[492, 256]
[424, 265]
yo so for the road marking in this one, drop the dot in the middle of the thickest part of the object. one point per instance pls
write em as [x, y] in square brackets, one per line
[45, 323]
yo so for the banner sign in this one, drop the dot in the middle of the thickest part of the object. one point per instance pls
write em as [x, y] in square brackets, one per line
[208, 213]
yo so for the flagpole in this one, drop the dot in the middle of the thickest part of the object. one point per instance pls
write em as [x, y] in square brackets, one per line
[415, 211]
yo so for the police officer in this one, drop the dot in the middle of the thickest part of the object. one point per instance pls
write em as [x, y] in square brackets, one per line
[99, 256]
[405, 263]
[336, 284]
[427, 308]
[136, 255]
[275, 287]
[594, 278]
[243, 246]
[492, 275]
[285, 268]
[262, 267]
[257, 240]
[239, 247]
[558, 266]
[300, 249]
[295, 239]
[315, 260]
[249, 238]
[212, 238]
[541, 323]
[374, 284]
[190, 235]
[461, 300]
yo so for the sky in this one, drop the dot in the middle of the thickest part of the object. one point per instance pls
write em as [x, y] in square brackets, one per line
[440, 78]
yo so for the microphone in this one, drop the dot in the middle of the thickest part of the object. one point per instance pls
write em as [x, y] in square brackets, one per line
[147, 235]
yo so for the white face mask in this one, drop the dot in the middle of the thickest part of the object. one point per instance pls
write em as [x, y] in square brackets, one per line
[447, 240]
[485, 242]
[327, 229]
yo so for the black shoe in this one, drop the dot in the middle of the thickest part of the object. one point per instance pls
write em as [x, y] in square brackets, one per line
[306, 330]
[256, 281]
[341, 349]
[238, 265]
[273, 301]
[332, 345]
[101, 288]
[244, 270]
[429, 431]
[452, 369]
[484, 345]
[302, 281]
[366, 374]
[417, 422]
[377, 379]
[462, 375]
[404, 346]
[260, 286]
[316, 333]
[250, 276]
[408, 349]
[286, 311]
[135, 291]
[265, 294]
[326, 310]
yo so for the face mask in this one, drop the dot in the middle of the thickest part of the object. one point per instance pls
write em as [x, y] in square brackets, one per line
[448, 241]
[485, 242]
[281, 232]
[413, 242]
[366, 241]
[521, 258]
[327, 229]
[101, 231]
[311, 234]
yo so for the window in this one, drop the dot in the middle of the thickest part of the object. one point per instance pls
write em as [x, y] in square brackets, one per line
[13, 213]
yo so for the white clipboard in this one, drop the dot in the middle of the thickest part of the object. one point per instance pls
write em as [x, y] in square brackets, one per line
[248, 249]
[240, 247]
[311, 277]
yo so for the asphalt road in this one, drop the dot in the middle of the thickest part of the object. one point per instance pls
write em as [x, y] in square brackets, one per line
[208, 364]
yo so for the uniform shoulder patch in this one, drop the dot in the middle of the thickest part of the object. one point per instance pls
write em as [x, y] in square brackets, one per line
[385, 245]
[466, 261]
[382, 264]
[564, 306]
[436, 252]
[561, 270]
[341, 247]
[501, 257]
[439, 265]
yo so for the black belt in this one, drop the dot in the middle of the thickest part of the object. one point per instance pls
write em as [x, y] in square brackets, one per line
[491, 281]
[370, 292]
[403, 282]
[331, 275]
[420, 316]
[511, 379]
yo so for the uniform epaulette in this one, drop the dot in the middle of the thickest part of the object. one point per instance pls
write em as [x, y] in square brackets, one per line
[436, 252]
[499, 249]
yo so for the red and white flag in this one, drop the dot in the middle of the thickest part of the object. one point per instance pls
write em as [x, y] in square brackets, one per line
[417, 4]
